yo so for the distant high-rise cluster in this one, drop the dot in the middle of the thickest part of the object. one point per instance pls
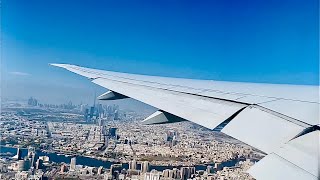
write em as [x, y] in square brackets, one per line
[32, 101]
[97, 111]
[93, 113]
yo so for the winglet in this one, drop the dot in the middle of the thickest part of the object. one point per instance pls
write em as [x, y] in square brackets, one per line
[76, 69]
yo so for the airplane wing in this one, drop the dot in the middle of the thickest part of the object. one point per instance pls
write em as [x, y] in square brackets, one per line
[280, 120]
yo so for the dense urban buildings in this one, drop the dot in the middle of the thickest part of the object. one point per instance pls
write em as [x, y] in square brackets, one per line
[41, 141]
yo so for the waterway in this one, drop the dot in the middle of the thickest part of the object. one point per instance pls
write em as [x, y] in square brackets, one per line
[87, 161]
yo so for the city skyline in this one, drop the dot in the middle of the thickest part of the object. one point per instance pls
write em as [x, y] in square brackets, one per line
[58, 141]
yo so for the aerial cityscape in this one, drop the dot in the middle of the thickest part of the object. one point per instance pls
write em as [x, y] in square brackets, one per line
[159, 90]
[46, 141]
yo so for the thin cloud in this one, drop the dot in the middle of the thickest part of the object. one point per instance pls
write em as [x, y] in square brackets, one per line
[17, 73]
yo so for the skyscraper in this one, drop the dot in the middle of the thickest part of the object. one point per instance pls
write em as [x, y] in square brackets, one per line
[31, 151]
[165, 173]
[113, 132]
[133, 165]
[116, 115]
[19, 152]
[73, 164]
[176, 173]
[192, 170]
[210, 169]
[186, 172]
[31, 155]
[91, 111]
[100, 109]
[63, 168]
[115, 169]
[145, 166]
[100, 170]
[39, 164]
[82, 108]
[32, 160]
[217, 166]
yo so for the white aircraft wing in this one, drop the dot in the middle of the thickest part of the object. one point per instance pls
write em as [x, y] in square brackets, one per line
[280, 120]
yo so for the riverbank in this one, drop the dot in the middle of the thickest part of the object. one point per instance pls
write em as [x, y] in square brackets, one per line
[92, 162]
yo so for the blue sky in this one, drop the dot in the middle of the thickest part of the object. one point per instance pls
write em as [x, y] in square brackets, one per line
[254, 41]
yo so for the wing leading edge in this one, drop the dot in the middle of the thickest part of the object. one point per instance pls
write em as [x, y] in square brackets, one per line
[281, 120]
